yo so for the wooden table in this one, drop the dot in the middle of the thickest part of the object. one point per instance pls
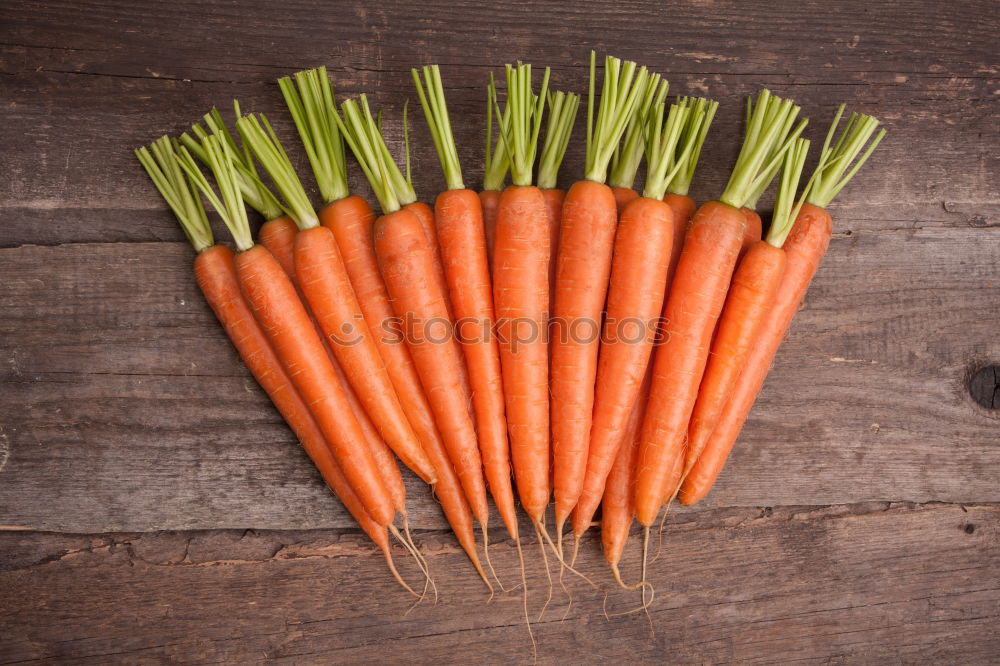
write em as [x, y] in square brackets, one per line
[156, 509]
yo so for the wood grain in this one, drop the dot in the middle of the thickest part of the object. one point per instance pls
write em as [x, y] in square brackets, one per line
[869, 583]
[157, 510]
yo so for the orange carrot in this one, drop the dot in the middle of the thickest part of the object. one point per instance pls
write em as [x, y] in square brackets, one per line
[806, 244]
[754, 287]
[459, 225]
[353, 231]
[282, 316]
[586, 241]
[695, 301]
[279, 239]
[405, 259]
[319, 268]
[521, 294]
[618, 503]
[635, 298]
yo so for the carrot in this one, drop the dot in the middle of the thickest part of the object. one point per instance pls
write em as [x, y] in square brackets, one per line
[495, 167]
[319, 268]
[586, 241]
[754, 287]
[521, 294]
[628, 157]
[695, 301]
[635, 299]
[562, 115]
[280, 240]
[618, 502]
[215, 271]
[804, 249]
[459, 222]
[405, 260]
[353, 229]
[282, 316]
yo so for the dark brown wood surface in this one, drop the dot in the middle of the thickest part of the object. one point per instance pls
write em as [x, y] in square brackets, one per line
[157, 510]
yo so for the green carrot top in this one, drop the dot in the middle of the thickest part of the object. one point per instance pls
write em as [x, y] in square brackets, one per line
[773, 161]
[364, 136]
[665, 154]
[695, 130]
[562, 114]
[436, 112]
[311, 103]
[161, 163]
[768, 124]
[785, 207]
[254, 192]
[259, 136]
[229, 202]
[520, 135]
[497, 161]
[629, 154]
[834, 170]
[621, 93]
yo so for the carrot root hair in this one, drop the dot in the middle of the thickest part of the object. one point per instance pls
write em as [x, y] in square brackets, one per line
[545, 559]
[489, 563]
[407, 541]
[543, 533]
[387, 552]
[524, 585]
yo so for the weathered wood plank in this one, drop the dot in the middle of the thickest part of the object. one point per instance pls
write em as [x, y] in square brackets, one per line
[72, 105]
[868, 583]
[125, 408]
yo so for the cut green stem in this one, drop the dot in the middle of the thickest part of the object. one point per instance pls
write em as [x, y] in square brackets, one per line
[258, 134]
[834, 170]
[629, 154]
[160, 162]
[695, 130]
[364, 136]
[562, 115]
[436, 112]
[664, 153]
[497, 161]
[228, 203]
[785, 207]
[620, 96]
[768, 124]
[255, 193]
[520, 136]
[311, 103]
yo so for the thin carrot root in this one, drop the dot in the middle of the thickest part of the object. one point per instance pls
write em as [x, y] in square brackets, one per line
[486, 553]
[562, 570]
[420, 557]
[544, 533]
[524, 584]
[548, 573]
[395, 573]
[421, 562]
[663, 525]
[643, 585]
[576, 550]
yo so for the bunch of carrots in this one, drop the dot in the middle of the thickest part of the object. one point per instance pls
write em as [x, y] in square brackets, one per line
[605, 344]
